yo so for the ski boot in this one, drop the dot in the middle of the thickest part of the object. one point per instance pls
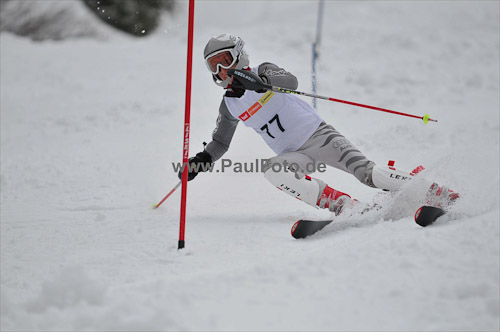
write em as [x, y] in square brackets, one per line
[335, 201]
[441, 196]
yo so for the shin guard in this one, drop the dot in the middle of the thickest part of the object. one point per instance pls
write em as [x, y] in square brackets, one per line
[306, 188]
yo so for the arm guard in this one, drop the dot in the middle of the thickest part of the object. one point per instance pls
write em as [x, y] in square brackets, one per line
[274, 75]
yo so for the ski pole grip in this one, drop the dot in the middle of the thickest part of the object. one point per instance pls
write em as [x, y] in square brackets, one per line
[249, 79]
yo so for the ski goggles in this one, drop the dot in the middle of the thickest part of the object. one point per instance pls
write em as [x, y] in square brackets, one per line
[224, 59]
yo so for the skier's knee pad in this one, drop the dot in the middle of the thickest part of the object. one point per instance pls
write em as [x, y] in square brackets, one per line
[389, 178]
[287, 161]
[305, 188]
[392, 179]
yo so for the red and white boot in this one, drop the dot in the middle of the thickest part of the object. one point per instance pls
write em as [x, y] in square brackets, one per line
[441, 196]
[309, 190]
[335, 201]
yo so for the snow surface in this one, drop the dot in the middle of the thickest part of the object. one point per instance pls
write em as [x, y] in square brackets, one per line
[89, 130]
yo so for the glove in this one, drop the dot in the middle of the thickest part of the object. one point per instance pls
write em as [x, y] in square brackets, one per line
[264, 80]
[199, 163]
[248, 79]
[236, 85]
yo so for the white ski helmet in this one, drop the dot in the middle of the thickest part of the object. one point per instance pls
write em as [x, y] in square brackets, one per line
[224, 51]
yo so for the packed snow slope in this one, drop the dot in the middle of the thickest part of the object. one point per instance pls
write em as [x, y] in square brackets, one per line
[90, 129]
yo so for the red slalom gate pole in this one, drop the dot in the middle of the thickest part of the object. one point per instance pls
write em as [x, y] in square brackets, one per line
[187, 117]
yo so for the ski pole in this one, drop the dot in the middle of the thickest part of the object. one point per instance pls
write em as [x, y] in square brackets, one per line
[251, 81]
[424, 118]
[155, 206]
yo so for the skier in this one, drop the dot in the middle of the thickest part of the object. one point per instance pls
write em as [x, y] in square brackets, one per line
[294, 131]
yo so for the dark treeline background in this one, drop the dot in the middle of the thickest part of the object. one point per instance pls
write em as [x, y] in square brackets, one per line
[58, 20]
[137, 17]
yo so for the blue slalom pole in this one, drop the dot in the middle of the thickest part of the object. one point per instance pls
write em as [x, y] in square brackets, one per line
[315, 48]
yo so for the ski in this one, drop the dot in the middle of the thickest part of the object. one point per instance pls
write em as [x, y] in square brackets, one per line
[303, 228]
[426, 215]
